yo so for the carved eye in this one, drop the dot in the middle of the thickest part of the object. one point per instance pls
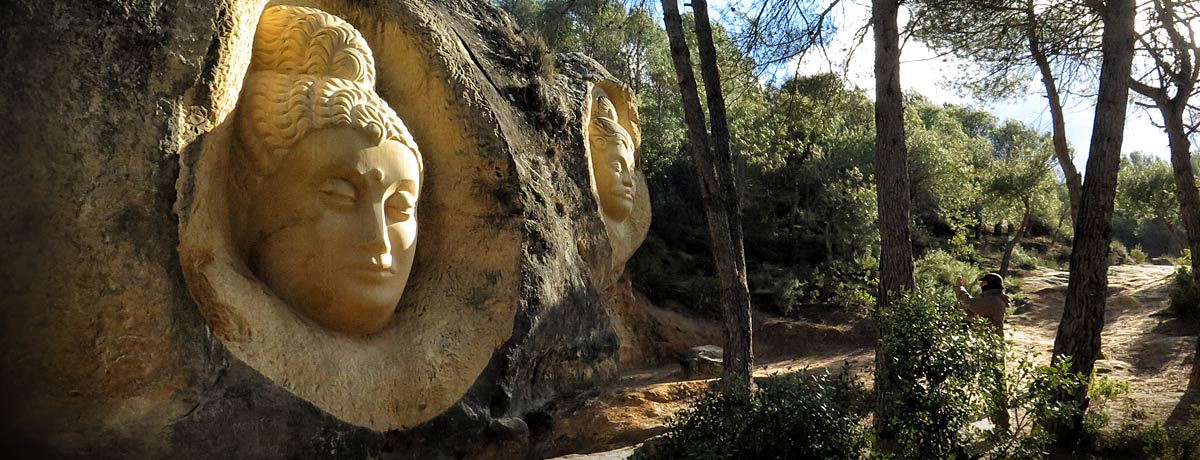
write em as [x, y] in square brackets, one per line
[400, 206]
[616, 166]
[339, 191]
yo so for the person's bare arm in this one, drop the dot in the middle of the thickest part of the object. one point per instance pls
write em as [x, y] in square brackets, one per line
[960, 292]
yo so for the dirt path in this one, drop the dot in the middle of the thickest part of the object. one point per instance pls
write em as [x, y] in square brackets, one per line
[1140, 345]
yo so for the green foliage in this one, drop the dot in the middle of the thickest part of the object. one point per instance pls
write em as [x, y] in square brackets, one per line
[668, 274]
[993, 38]
[945, 374]
[1031, 390]
[945, 168]
[1171, 443]
[1146, 210]
[938, 368]
[810, 166]
[1184, 301]
[1025, 260]
[1102, 392]
[1138, 255]
[938, 269]
[790, 416]
[847, 285]
[1133, 439]
[1118, 254]
[1146, 188]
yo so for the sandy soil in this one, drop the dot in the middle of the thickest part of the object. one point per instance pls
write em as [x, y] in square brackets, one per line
[1140, 345]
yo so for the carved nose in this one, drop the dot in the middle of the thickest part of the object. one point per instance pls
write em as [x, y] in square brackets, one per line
[378, 243]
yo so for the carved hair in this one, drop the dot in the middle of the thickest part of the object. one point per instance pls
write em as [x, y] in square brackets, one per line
[604, 124]
[310, 70]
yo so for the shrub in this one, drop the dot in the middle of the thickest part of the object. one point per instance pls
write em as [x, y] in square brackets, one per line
[1118, 254]
[944, 377]
[1102, 391]
[1031, 390]
[1132, 440]
[667, 273]
[1023, 259]
[939, 269]
[1138, 255]
[1184, 301]
[790, 416]
[1173, 443]
[941, 373]
[832, 285]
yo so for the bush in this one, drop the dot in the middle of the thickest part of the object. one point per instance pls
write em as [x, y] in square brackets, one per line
[1184, 301]
[1118, 254]
[942, 373]
[666, 273]
[1138, 255]
[1024, 260]
[832, 285]
[944, 377]
[1155, 441]
[1031, 390]
[939, 269]
[1173, 443]
[1102, 391]
[790, 416]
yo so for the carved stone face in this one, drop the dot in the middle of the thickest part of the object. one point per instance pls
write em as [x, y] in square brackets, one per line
[335, 226]
[612, 166]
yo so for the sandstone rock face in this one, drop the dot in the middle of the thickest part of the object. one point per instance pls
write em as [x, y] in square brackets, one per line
[131, 330]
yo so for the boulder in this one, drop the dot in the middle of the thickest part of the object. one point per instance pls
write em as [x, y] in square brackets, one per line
[133, 331]
[704, 361]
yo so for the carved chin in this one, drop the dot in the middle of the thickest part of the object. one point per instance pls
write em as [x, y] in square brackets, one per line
[618, 207]
[342, 302]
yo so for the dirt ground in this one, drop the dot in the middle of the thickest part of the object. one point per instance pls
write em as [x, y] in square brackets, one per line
[1140, 345]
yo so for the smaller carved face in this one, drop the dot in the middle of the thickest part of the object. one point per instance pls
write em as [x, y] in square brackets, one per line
[612, 166]
[337, 224]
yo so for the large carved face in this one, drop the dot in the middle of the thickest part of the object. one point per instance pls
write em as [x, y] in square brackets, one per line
[612, 167]
[336, 225]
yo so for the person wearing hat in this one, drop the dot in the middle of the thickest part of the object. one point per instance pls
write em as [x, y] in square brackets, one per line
[992, 304]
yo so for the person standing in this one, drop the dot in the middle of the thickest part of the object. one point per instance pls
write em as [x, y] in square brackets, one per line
[992, 304]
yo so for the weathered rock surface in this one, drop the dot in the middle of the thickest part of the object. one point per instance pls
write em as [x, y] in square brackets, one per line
[703, 361]
[105, 108]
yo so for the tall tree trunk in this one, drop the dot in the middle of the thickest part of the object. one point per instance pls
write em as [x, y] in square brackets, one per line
[1172, 108]
[739, 354]
[1189, 198]
[1016, 238]
[735, 297]
[719, 122]
[1078, 335]
[1061, 151]
[893, 195]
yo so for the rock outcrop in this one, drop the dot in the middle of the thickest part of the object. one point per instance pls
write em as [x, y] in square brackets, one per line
[130, 333]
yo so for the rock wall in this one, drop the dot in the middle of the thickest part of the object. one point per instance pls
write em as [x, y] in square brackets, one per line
[115, 345]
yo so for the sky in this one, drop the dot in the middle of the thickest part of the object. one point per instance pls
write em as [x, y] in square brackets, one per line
[923, 72]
